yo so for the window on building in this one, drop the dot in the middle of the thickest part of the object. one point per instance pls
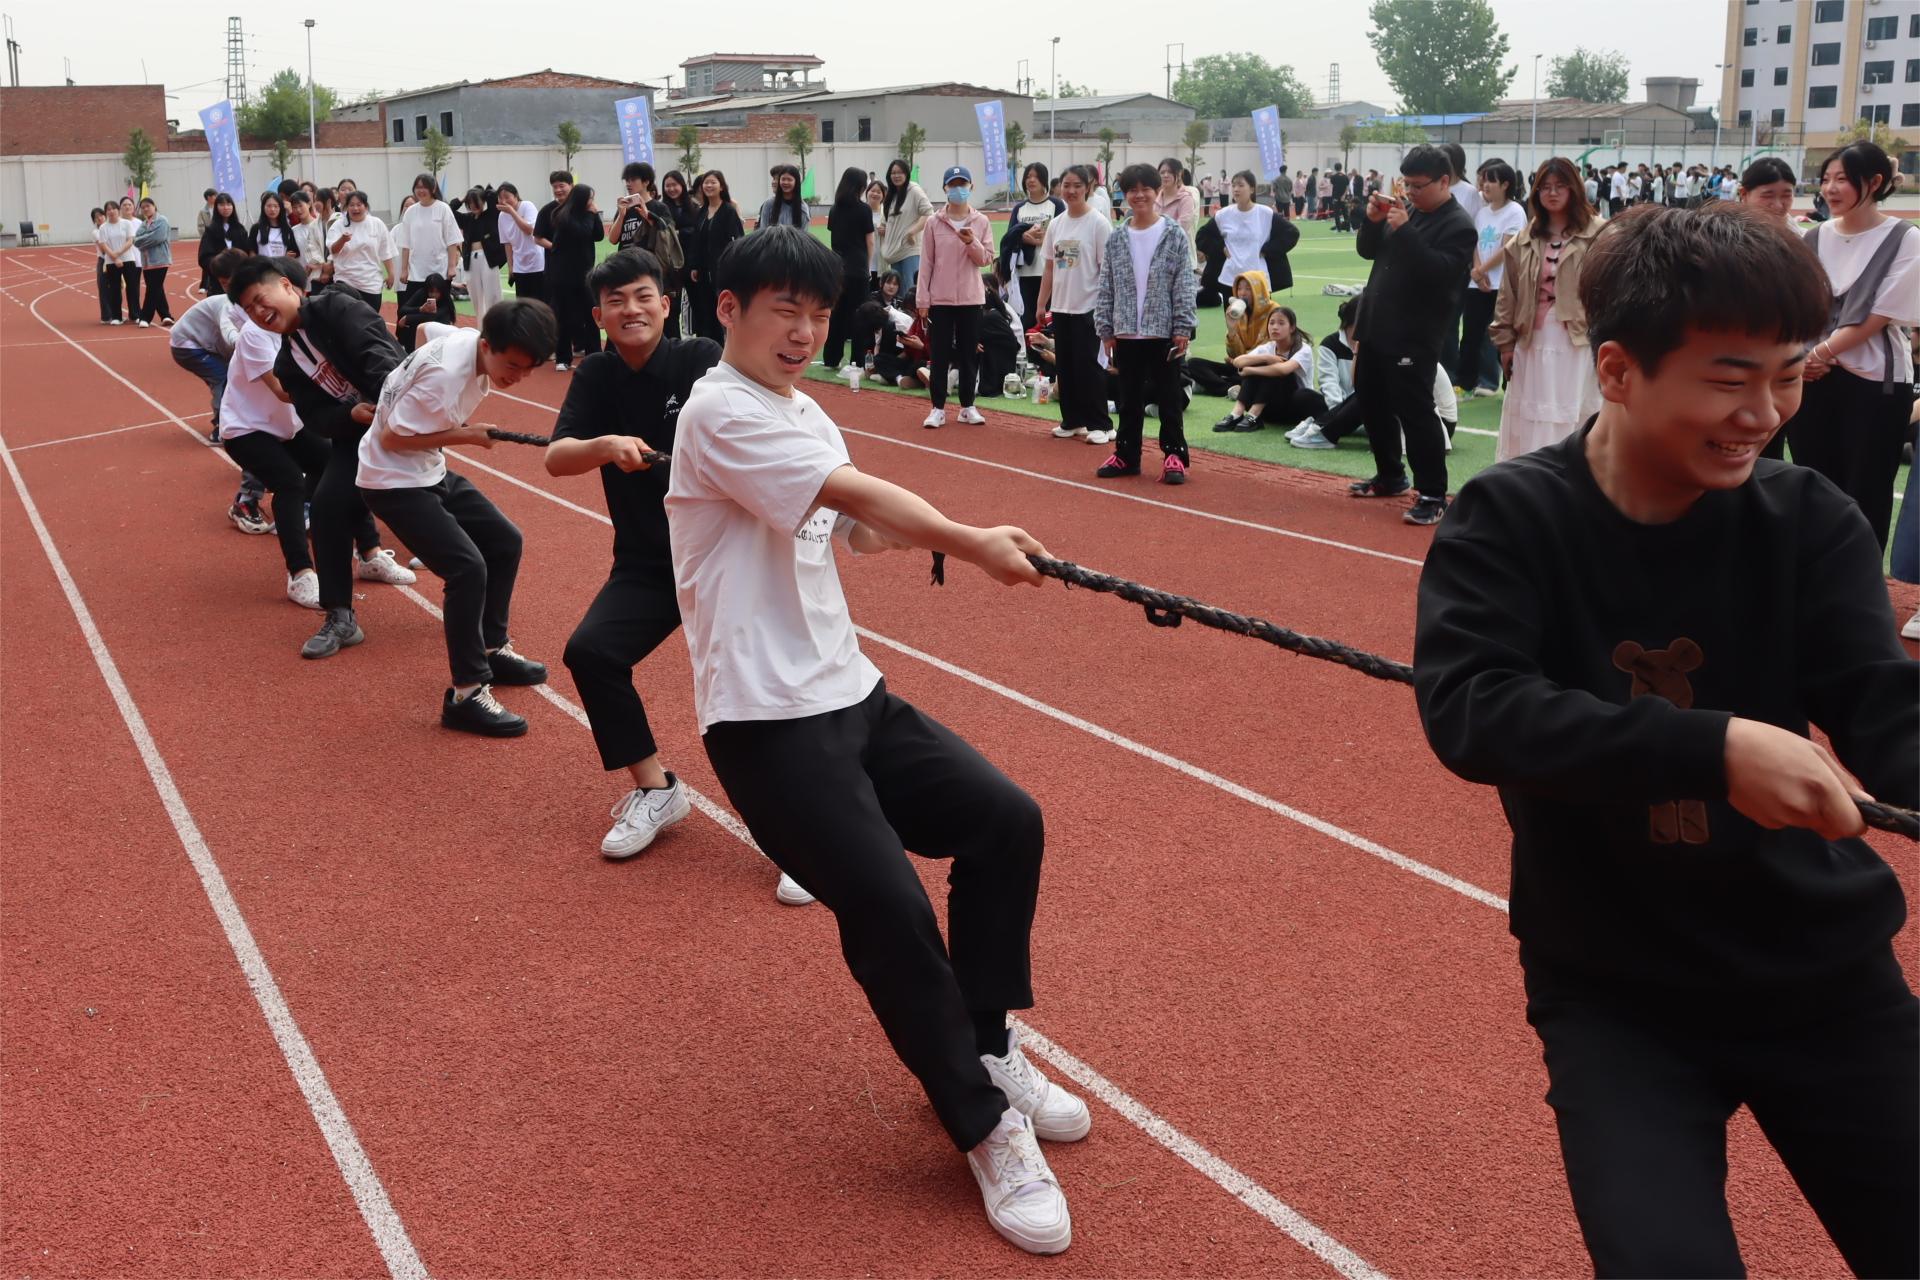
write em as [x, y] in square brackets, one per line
[1779, 117]
[1877, 72]
[1882, 28]
[865, 129]
[1909, 115]
[1823, 95]
[1779, 75]
[1746, 78]
[1913, 70]
[1784, 35]
[419, 126]
[826, 131]
[1913, 26]
[1826, 55]
[399, 129]
[446, 124]
[1881, 114]
[1829, 10]
[1744, 119]
[1750, 37]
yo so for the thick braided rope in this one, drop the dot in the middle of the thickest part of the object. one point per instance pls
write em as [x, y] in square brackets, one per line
[651, 457]
[1165, 609]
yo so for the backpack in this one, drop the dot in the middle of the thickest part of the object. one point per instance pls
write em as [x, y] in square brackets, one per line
[664, 244]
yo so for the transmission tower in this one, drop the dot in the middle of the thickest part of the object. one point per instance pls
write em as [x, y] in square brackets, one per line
[236, 63]
[1333, 82]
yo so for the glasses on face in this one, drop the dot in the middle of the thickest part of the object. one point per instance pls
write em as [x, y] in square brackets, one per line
[1414, 187]
[1554, 188]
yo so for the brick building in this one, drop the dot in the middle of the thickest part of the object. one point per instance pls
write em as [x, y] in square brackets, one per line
[82, 119]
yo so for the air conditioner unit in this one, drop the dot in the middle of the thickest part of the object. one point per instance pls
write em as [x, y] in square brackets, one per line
[1873, 44]
[1867, 87]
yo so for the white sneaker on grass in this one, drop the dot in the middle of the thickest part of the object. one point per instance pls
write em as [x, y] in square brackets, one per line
[972, 416]
[641, 815]
[1057, 1115]
[382, 567]
[935, 418]
[303, 589]
[1312, 438]
[1023, 1198]
[790, 894]
[1294, 433]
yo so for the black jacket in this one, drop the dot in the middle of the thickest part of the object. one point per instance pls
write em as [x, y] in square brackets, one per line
[353, 341]
[1213, 252]
[1013, 252]
[710, 238]
[1419, 275]
[221, 236]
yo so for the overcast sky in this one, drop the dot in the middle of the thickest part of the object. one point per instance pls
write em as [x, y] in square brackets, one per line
[359, 46]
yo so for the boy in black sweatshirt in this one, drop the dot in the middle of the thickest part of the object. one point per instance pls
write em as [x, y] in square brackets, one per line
[1629, 633]
[1421, 249]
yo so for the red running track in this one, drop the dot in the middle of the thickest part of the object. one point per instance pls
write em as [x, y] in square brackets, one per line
[558, 1066]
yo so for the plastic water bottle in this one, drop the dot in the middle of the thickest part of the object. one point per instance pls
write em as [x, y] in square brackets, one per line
[853, 378]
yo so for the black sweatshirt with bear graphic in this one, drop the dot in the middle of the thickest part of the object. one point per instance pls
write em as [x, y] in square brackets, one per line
[1587, 666]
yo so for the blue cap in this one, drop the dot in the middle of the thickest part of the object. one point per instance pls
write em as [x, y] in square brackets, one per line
[958, 172]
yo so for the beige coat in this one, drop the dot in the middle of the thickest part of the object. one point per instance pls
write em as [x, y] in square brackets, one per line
[1520, 287]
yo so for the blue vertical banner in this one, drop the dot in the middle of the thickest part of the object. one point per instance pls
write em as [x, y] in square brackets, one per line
[223, 144]
[993, 141]
[1266, 131]
[636, 129]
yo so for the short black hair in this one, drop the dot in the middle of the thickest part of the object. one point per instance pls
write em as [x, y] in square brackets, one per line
[1655, 273]
[618, 270]
[638, 169]
[224, 263]
[1139, 175]
[781, 257]
[559, 175]
[1457, 158]
[525, 325]
[506, 186]
[1349, 311]
[299, 197]
[208, 194]
[324, 195]
[359, 195]
[287, 187]
[1766, 171]
[1427, 161]
[258, 269]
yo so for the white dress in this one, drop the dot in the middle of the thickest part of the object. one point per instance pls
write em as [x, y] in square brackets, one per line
[1553, 389]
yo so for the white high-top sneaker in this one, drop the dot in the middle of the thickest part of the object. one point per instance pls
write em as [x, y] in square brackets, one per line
[1023, 1198]
[1057, 1115]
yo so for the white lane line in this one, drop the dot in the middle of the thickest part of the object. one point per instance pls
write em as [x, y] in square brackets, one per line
[1105, 493]
[1198, 774]
[389, 1233]
[1229, 1179]
[95, 435]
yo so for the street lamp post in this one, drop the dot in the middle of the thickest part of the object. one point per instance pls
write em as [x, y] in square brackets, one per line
[1053, 103]
[313, 131]
[1533, 141]
[1719, 113]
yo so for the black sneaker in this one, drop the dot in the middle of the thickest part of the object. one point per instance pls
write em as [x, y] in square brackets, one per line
[1426, 511]
[480, 712]
[1377, 488]
[512, 669]
[1114, 467]
[1229, 423]
[1248, 423]
[338, 632]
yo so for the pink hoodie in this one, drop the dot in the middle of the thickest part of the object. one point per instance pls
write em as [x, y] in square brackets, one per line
[949, 266]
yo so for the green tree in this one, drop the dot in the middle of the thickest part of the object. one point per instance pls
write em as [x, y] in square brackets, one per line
[1591, 75]
[687, 138]
[1879, 134]
[282, 157]
[913, 140]
[1441, 58]
[1218, 85]
[1105, 154]
[138, 157]
[280, 109]
[1016, 143]
[1195, 138]
[1068, 89]
[1349, 136]
[800, 142]
[435, 151]
[1391, 131]
[569, 135]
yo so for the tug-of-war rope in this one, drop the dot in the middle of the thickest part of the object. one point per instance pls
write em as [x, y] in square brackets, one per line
[1164, 609]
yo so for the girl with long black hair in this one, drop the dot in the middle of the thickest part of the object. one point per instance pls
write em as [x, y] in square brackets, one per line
[906, 211]
[1020, 256]
[576, 229]
[784, 208]
[716, 226]
[224, 231]
[483, 254]
[273, 233]
[850, 236]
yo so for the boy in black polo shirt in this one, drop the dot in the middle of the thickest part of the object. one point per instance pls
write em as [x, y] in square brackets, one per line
[1628, 633]
[623, 403]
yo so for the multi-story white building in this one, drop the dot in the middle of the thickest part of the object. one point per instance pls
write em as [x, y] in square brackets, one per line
[1799, 71]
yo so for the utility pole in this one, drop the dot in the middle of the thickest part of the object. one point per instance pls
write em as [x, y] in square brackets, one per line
[236, 63]
[13, 52]
[1183, 64]
[313, 130]
[1023, 76]
[69, 65]
[1053, 104]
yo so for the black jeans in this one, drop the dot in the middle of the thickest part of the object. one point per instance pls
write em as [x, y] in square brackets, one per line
[1642, 1085]
[341, 522]
[1147, 376]
[1029, 301]
[953, 336]
[154, 283]
[573, 312]
[836, 801]
[633, 614]
[474, 549]
[1851, 431]
[1396, 392]
[841, 338]
[1285, 401]
[530, 284]
[1475, 348]
[130, 282]
[290, 470]
[107, 285]
[1340, 420]
[1082, 393]
[702, 300]
[373, 300]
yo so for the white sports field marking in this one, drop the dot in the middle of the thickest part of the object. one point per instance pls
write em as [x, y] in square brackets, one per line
[1198, 514]
[95, 435]
[389, 1233]
[1229, 1179]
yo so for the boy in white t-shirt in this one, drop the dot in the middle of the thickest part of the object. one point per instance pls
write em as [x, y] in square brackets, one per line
[1071, 252]
[836, 777]
[262, 434]
[441, 515]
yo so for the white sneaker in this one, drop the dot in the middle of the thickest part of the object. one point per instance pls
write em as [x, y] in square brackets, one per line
[935, 418]
[1023, 1198]
[790, 894]
[972, 416]
[1057, 1115]
[1067, 433]
[1294, 433]
[142, 324]
[641, 815]
[1099, 437]
[382, 567]
[1912, 630]
[1082, 432]
[1233, 393]
[1312, 439]
[304, 589]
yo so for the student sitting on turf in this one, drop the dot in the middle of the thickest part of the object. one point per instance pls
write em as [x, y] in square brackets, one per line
[1700, 926]
[835, 776]
[403, 478]
[1276, 378]
[430, 303]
